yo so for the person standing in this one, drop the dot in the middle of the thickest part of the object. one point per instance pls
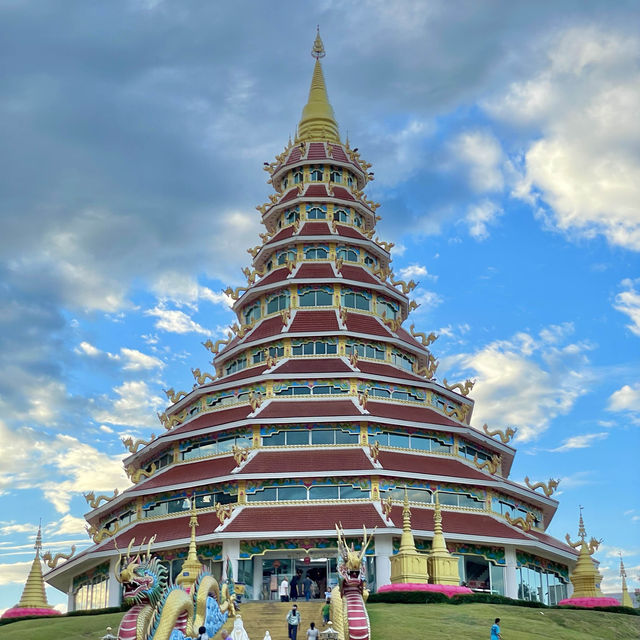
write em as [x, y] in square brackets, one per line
[495, 630]
[326, 610]
[312, 632]
[284, 590]
[293, 620]
[202, 634]
[306, 583]
[294, 586]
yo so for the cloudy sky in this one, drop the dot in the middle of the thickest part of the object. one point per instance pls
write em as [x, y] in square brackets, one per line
[505, 141]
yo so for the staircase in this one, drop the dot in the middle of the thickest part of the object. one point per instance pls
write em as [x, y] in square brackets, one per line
[262, 616]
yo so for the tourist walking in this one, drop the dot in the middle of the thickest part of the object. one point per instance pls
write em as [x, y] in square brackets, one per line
[306, 583]
[293, 620]
[326, 610]
[202, 634]
[295, 581]
[284, 590]
[312, 632]
[495, 630]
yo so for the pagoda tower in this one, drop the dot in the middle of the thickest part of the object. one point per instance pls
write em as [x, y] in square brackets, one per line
[321, 408]
[34, 599]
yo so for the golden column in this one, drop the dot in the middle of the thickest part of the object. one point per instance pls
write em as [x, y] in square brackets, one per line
[626, 598]
[192, 566]
[443, 567]
[408, 565]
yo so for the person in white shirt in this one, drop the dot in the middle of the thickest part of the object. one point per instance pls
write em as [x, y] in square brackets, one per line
[284, 590]
[312, 632]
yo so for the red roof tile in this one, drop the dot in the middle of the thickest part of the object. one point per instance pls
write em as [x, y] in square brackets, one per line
[357, 273]
[306, 518]
[267, 328]
[318, 270]
[342, 193]
[294, 156]
[290, 195]
[287, 232]
[407, 337]
[349, 232]
[316, 191]
[275, 276]
[338, 153]
[429, 465]
[457, 522]
[366, 324]
[241, 375]
[552, 542]
[212, 419]
[409, 413]
[314, 365]
[315, 229]
[192, 473]
[379, 369]
[316, 151]
[314, 321]
[312, 461]
[309, 409]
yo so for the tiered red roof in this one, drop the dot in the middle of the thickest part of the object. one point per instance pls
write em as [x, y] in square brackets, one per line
[311, 461]
[315, 229]
[316, 191]
[380, 369]
[350, 272]
[188, 472]
[359, 323]
[267, 328]
[314, 365]
[314, 321]
[212, 419]
[309, 409]
[410, 413]
[428, 465]
[320, 270]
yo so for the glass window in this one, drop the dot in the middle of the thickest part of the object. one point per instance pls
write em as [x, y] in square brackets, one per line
[387, 308]
[314, 212]
[285, 183]
[264, 495]
[420, 443]
[283, 256]
[320, 297]
[319, 347]
[402, 360]
[322, 436]
[335, 175]
[278, 302]
[357, 220]
[298, 437]
[344, 437]
[252, 313]
[341, 215]
[317, 172]
[356, 300]
[326, 492]
[292, 493]
[379, 393]
[399, 440]
[236, 365]
[258, 356]
[350, 180]
[297, 176]
[277, 439]
[348, 254]
[291, 215]
[316, 253]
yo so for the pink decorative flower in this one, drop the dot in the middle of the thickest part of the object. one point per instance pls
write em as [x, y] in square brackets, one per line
[21, 612]
[591, 602]
[448, 589]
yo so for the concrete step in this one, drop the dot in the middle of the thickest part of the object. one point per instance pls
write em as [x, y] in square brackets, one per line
[262, 616]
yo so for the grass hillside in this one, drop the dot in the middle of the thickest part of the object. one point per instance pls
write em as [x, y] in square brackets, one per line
[398, 622]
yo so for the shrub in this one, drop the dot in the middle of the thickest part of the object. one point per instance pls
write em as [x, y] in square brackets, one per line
[408, 597]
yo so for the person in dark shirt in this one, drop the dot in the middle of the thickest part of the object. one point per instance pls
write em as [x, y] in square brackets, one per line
[306, 584]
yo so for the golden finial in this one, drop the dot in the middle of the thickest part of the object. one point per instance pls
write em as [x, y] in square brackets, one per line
[318, 121]
[318, 47]
[582, 532]
[191, 567]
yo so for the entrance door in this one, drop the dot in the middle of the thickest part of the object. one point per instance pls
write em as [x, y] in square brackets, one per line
[316, 571]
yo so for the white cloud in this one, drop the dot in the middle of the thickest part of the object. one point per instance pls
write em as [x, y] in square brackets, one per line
[525, 381]
[135, 406]
[628, 301]
[482, 154]
[583, 441]
[583, 169]
[14, 572]
[426, 299]
[174, 321]
[131, 359]
[479, 216]
[627, 398]
[182, 290]
[7, 528]
[416, 271]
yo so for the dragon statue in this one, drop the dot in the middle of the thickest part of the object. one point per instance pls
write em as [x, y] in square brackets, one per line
[464, 389]
[506, 435]
[94, 502]
[348, 613]
[547, 488]
[524, 523]
[52, 562]
[160, 611]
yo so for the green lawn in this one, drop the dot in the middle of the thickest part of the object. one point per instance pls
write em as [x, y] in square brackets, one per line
[400, 622]
[473, 621]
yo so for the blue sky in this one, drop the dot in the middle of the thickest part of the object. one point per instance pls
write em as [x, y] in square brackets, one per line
[506, 148]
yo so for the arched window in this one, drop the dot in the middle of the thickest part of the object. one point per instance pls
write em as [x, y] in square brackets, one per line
[350, 179]
[285, 183]
[335, 175]
[278, 302]
[356, 300]
[348, 254]
[317, 173]
[317, 212]
[237, 365]
[287, 254]
[402, 360]
[369, 261]
[357, 220]
[315, 296]
[291, 215]
[316, 253]
[341, 215]
[314, 347]
[387, 309]
[252, 313]
[297, 176]
[371, 350]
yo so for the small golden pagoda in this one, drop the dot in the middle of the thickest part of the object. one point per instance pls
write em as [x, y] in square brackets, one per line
[408, 565]
[585, 576]
[192, 566]
[626, 598]
[34, 599]
[443, 567]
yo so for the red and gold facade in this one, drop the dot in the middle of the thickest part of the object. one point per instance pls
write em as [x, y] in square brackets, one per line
[322, 408]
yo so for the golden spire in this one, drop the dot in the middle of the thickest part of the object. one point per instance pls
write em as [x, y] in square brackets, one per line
[626, 598]
[192, 566]
[318, 121]
[438, 537]
[585, 576]
[34, 596]
[408, 565]
[407, 542]
[443, 567]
